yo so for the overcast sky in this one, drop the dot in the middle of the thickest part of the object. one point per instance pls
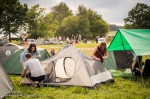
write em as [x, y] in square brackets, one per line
[112, 11]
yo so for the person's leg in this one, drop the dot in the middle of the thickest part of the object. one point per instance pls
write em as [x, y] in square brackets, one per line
[40, 79]
[28, 75]
[32, 82]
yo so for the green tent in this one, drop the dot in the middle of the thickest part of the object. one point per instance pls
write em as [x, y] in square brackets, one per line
[125, 42]
[11, 57]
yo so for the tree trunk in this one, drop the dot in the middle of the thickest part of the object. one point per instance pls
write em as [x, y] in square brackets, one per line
[9, 35]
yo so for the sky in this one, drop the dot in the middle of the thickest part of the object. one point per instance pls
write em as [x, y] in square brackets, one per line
[112, 11]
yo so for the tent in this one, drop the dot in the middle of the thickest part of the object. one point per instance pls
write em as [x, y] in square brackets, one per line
[7, 50]
[6, 85]
[124, 44]
[10, 57]
[70, 66]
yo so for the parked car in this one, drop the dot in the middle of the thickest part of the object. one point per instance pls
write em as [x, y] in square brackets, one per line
[53, 41]
[3, 41]
[101, 40]
[34, 41]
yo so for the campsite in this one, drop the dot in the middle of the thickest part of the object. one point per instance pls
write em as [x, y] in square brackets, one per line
[124, 86]
[74, 49]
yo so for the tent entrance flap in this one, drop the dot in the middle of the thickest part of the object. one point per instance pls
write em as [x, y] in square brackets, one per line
[123, 59]
[62, 70]
[119, 60]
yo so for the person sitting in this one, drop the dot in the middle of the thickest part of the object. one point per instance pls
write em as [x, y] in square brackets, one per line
[146, 68]
[36, 72]
[141, 69]
[136, 66]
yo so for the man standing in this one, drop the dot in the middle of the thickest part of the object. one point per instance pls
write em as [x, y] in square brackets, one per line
[36, 72]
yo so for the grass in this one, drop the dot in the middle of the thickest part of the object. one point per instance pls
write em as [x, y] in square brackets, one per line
[122, 88]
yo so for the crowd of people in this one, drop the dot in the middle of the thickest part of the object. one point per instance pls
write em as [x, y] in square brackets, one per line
[74, 39]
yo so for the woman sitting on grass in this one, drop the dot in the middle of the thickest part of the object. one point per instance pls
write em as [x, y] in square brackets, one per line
[139, 68]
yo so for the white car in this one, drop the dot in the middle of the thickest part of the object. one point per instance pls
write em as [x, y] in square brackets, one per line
[101, 40]
[53, 41]
[33, 41]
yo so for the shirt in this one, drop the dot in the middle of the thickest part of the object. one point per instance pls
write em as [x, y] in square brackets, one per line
[34, 66]
[99, 54]
[22, 55]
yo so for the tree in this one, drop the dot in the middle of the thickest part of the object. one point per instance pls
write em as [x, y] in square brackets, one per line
[68, 26]
[49, 26]
[41, 24]
[97, 25]
[12, 16]
[114, 27]
[35, 16]
[61, 11]
[82, 10]
[83, 27]
[138, 17]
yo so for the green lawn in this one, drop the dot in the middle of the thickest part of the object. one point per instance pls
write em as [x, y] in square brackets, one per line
[122, 88]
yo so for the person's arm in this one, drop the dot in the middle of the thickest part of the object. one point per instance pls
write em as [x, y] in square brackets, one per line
[38, 55]
[106, 55]
[24, 69]
[142, 70]
[133, 64]
[24, 73]
[93, 54]
[23, 54]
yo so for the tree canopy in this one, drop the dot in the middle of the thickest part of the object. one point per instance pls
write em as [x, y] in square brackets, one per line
[61, 11]
[60, 21]
[86, 22]
[138, 17]
[12, 16]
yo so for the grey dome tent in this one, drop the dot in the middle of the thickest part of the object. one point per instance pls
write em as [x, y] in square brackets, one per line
[10, 57]
[6, 85]
[70, 66]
